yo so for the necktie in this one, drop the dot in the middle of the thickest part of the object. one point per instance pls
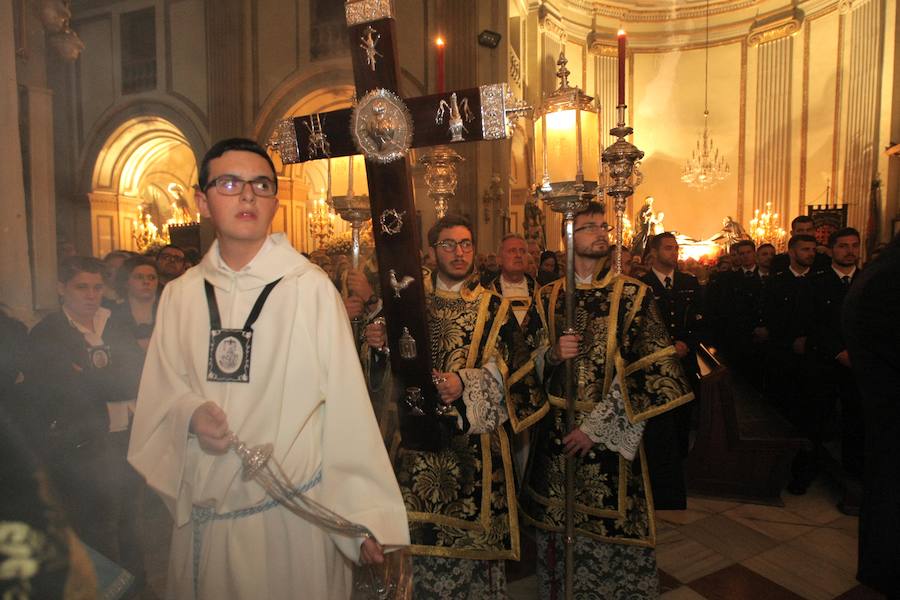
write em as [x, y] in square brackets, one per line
[748, 274]
[846, 280]
[668, 283]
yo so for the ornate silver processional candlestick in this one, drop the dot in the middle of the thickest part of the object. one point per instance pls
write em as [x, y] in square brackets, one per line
[440, 176]
[620, 159]
[356, 210]
[567, 140]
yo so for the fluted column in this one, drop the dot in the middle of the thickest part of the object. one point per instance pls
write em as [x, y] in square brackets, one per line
[15, 274]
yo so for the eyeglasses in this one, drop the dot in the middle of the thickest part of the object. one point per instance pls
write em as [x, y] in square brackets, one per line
[449, 246]
[232, 185]
[171, 258]
[593, 227]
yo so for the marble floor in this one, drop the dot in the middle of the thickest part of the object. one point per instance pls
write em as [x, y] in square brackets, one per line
[715, 549]
[721, 550]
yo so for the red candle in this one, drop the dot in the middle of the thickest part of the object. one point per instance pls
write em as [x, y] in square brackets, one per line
[622, 39]
[439, 57]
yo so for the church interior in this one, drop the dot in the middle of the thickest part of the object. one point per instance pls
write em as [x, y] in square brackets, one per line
[749, 113]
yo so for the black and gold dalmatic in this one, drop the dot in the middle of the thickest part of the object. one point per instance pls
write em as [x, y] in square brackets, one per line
[461, 498]
[624, 339]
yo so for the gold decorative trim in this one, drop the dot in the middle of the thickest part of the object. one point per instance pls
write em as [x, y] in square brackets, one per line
[651, 15]
[804, 119]
[838, 90]
[365, 11]
[742, 135]
[612, 334]
[550, 24]
[771, 30]
[598, 49]
[648, 542]
[583, 508]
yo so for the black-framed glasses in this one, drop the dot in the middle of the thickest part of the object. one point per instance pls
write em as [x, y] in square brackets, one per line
[450, 246]
[232, 185]
[171, 257]
[593, 227]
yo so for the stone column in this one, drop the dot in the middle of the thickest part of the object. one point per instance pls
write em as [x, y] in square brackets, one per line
[15, 274]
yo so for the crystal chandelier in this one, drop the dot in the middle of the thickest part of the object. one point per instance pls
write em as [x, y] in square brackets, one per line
[766, 228]
[705, 168]
[320, 221]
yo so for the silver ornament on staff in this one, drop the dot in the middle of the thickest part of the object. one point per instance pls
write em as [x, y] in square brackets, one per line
[353, 207]
[567, 155]
[620, 159]
[440, 176]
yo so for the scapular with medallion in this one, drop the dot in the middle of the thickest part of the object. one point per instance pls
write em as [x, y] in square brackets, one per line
[229, 349]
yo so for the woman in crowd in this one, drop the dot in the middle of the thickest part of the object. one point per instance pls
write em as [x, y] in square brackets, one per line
[129, 330]
[69, 382]
[548, 270]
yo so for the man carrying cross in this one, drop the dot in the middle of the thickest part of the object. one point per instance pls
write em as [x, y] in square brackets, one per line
[459, 490]
[302, 392]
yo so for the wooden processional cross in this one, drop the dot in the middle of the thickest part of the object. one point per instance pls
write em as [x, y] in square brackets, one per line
[383, 127]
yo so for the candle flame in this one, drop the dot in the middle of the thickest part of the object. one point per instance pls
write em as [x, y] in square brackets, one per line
[439, 41]
[621, 32]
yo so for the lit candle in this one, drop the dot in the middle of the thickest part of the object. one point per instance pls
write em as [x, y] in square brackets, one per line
[622, 41]
[439, 58]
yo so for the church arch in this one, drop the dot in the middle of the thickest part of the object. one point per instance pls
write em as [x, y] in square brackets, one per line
[146, 164]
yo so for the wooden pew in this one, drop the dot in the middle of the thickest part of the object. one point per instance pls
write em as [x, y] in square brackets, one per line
[743, 448]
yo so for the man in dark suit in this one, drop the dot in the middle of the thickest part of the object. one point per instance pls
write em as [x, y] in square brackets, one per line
[802, 225]
[871, 320]
[787, 310]
[834, 378]
[735, 304]
[677, 295]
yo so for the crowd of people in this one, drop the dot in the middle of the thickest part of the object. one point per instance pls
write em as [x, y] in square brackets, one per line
[126, 386]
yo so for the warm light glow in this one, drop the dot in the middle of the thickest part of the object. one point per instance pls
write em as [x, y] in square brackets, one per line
[561, 145]
[439, 41]
[766, 228]
[621, 32]
[340, 176]
[701, 251]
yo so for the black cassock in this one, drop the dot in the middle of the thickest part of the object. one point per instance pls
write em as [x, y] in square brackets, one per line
[872, 332]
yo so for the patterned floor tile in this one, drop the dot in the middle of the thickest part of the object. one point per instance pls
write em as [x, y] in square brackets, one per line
[685, 559]
[682, 593]
[710, 505]
[728, 537]
[797, 570]
[740, 583]
[777, 523]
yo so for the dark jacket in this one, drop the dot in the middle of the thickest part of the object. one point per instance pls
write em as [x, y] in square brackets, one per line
[680, 306]
[122, 335]
[788, 306]
[66, 393]
[782, 262]
[871, 326]
[827, 333]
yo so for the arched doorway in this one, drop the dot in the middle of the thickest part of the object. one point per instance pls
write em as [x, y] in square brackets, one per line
[147, 164]
[302, 185]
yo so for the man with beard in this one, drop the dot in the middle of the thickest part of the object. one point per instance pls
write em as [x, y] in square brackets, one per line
[677, 295]
[627, 371]
[171, 263]
[764, 256]
[787, 320]
[833, 376]
[460, 492]
[802, 225]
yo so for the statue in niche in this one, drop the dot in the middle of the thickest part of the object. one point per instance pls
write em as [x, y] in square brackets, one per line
[648, 224]
[534, 226]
